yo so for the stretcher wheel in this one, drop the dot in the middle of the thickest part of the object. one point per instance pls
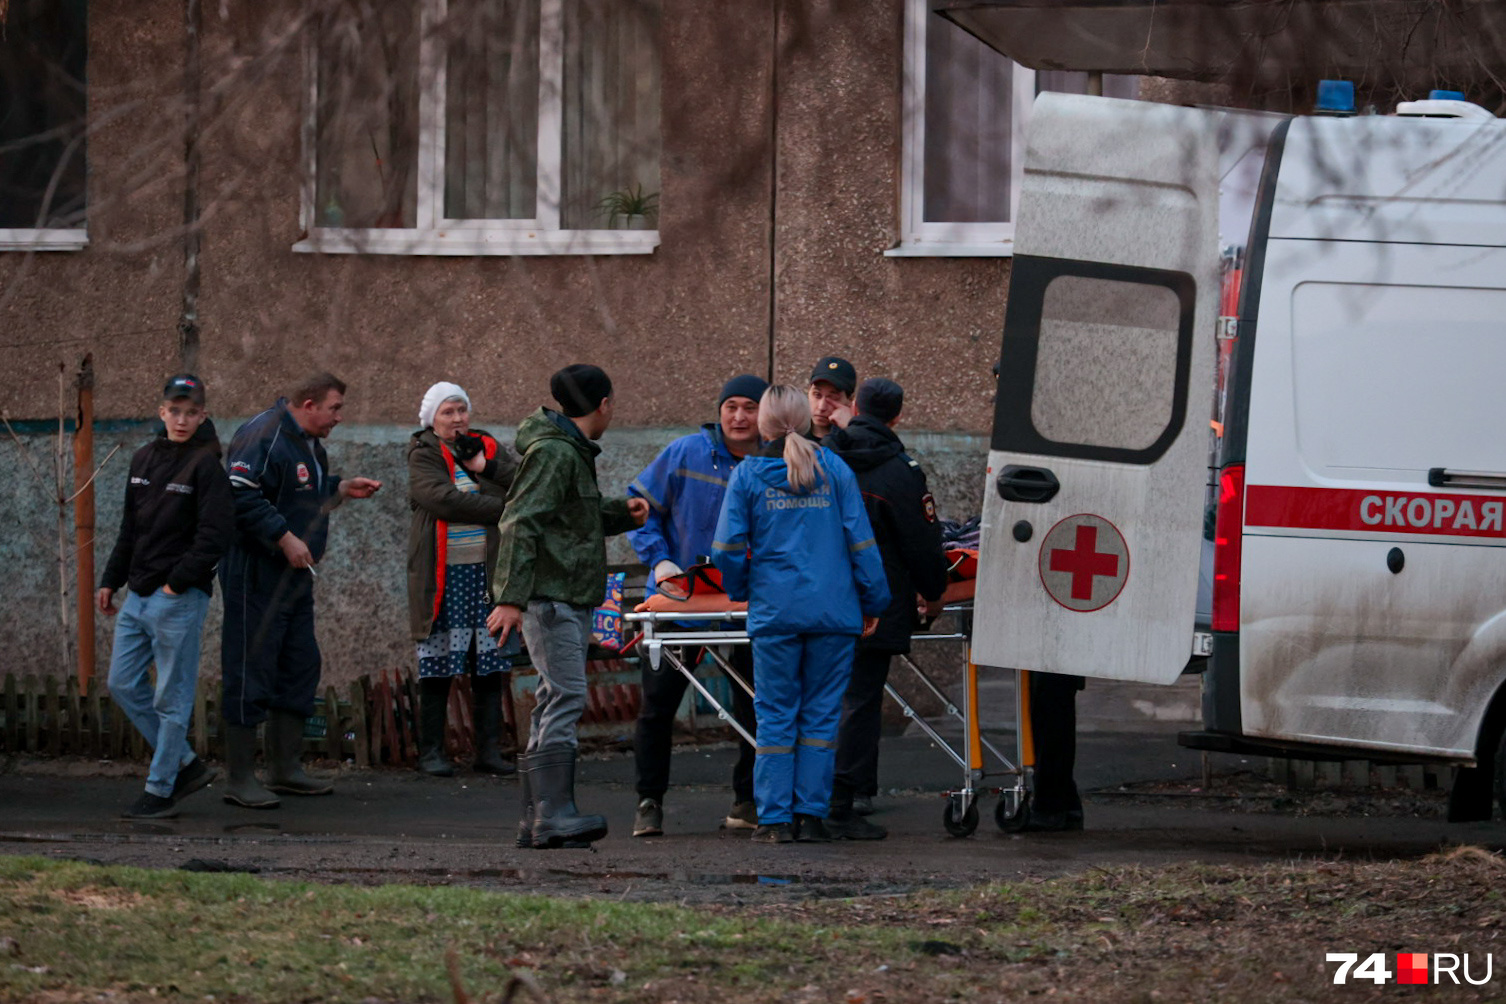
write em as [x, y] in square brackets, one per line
[1012, 822]
[963, 823]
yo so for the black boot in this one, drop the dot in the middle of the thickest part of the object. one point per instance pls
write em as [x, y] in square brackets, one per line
[433, 712]
[525, 824]
[556, 823]
[243, 788]
[487, 691]
[1471, 798]
[844, 823]
[285, 754]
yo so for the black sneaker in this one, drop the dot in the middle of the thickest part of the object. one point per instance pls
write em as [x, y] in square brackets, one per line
[863, 805]
[150, 806]
[649, 822]
[851, 826]
[742, 816]
[193, 777]
[811, 829]
[775, 833]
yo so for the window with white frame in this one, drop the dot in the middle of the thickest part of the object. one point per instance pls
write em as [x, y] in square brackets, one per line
[964, 115]
[483, 127]
[43, 50]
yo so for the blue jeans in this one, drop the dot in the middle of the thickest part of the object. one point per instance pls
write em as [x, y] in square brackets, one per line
[165, 630]
[798, 701]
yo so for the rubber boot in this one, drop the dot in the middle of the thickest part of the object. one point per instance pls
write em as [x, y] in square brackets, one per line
[525, 824]
[433, 711]
[243, 788]
[285, 749]
[556, 823]
[487, 709]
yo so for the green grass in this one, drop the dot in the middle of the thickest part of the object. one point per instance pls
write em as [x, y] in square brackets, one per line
[1250, 933]
[168, 933]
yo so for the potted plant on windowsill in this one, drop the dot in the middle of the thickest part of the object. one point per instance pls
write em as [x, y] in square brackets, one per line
[630, 209]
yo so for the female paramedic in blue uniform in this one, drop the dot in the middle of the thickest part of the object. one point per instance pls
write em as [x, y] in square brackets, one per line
[794, 541]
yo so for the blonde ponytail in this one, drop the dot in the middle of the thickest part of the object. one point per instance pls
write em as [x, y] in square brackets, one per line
[784, 411]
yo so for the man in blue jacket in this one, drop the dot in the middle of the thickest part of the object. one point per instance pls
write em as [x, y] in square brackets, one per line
[684, 486]
[269, 658]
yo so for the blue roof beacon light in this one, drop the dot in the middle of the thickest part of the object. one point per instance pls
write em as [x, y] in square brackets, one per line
[1437, 95]
[1335, 97]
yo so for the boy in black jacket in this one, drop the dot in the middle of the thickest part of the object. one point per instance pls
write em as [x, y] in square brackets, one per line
[178, 520]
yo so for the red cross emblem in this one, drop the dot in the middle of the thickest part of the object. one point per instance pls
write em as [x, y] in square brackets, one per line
[1084, 562]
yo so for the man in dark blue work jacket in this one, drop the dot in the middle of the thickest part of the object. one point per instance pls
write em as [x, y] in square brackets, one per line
[270, 660]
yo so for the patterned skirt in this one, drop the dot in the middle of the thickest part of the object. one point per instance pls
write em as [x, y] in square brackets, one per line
[459, 634]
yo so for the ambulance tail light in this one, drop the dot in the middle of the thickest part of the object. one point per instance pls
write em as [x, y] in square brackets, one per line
[1228, 529]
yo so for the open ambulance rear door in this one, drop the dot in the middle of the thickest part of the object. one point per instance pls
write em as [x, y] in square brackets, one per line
[1093, 510]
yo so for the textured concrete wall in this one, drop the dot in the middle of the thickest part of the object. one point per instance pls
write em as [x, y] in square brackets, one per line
[669, 326]
[362, 603]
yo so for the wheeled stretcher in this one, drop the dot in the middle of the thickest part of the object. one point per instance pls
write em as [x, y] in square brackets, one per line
[674, 638]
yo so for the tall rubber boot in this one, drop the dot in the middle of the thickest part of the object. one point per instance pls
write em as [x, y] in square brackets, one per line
[285, 749]
[556, 823]
[433, 712]
[525, 824]
[487, 693]
[243, 788]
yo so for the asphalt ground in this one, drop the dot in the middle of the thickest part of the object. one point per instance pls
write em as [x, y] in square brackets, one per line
[390, 825]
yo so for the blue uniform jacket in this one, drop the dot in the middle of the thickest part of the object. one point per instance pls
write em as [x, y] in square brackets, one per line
[683, 486]
[281, 481]
[806, 562]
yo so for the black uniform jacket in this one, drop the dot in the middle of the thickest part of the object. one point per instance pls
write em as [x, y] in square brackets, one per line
[179, 517]
[281, 481]
[903, 515]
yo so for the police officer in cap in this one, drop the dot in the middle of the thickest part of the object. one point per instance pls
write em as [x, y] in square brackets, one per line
[903, 516]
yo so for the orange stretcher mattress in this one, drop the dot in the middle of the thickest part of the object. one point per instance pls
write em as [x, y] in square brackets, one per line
[701, 603]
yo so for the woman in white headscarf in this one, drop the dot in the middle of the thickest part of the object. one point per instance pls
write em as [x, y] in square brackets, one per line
[457, 487]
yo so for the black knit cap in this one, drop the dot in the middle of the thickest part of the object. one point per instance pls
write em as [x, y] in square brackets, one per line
[580, 388]
[747, 385]
[881, 399]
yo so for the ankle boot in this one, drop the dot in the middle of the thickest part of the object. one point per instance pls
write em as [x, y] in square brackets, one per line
[556, 823]
[525, 824]
[433, 711]
[488, 719]
[242, 788]
[285, 746]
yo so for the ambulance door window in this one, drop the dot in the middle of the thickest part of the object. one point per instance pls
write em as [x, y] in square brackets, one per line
[1096, 335]
[1095, 360]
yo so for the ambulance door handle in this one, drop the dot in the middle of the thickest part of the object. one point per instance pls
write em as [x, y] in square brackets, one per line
[1442, 477]
[1027, 484]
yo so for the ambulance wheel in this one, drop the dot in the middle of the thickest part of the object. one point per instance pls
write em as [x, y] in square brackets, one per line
[1012, 822]
[963, 824]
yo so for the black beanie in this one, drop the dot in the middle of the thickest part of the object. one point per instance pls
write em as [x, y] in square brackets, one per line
[881, 399]
[580, 388]
[747, 385]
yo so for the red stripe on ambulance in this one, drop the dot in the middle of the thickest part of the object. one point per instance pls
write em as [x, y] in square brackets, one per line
[1377, 512]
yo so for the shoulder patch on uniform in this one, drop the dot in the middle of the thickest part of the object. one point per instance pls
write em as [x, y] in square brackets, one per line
[928, 502]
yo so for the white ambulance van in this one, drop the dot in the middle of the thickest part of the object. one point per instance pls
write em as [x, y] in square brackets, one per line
[1357, 447]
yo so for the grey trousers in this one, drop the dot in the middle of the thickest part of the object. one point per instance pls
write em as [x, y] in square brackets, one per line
[557, 635]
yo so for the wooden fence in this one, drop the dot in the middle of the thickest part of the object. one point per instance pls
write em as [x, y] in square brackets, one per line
[374, 721]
